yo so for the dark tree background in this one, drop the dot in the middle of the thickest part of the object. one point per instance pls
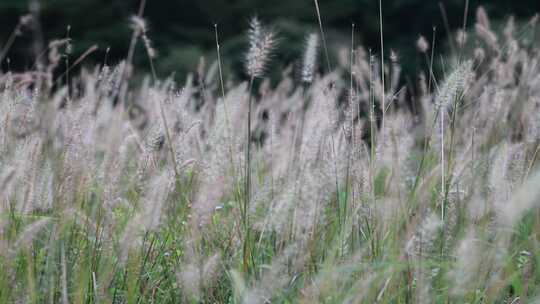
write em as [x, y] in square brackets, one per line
[182, 30]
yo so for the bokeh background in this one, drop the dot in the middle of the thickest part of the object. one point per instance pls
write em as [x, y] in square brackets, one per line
[182, 30]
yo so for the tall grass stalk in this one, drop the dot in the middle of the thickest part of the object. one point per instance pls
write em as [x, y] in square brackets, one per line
[373, 127]
[225, 103]
[323, 36]
[443, 180]
[261, 44]
[121, 92]
[23, 21]
[464, 28]
[383, 97]
[348, 187]
[247, 199]
[141, 30]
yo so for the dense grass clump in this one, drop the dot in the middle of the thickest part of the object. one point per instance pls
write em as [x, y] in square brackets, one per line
[214, 192]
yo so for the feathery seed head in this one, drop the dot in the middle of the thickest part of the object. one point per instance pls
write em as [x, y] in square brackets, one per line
[482, 17]
[455, 84]
[479, 54]
[26, 20]
[261, 43]
[422, 44]
[489, 37]
[534, 20]
[138, 23]
[310, 58]
[394, 56]
[461, 38]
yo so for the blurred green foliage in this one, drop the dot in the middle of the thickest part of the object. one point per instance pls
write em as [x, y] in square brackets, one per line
[182, 30]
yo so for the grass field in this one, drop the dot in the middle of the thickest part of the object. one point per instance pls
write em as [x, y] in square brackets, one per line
[343, 182]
